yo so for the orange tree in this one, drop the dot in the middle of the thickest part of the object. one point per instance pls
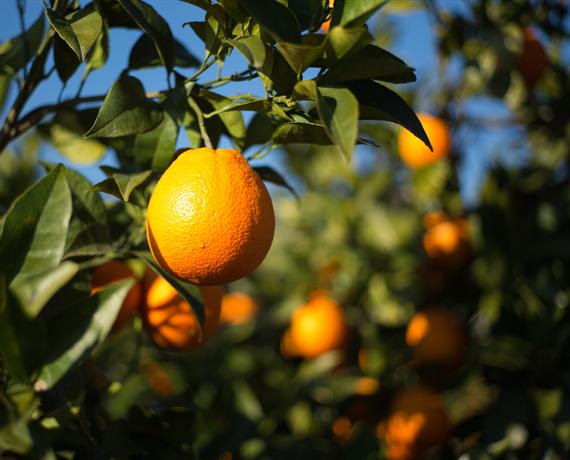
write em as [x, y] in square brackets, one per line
[388, 244]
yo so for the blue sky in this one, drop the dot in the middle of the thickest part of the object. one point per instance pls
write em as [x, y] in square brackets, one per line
[414, 41]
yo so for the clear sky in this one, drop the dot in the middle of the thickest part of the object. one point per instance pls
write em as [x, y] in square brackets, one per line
[413, 40]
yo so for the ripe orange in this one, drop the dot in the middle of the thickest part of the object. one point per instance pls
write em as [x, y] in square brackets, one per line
[210, 219]
[437, 337]
[157, 378]
[318, 326]
[342, 429]
[170, 320]
[237, 308]
[366, 386]
[533, 60]
[418, 420]
[415, 153]
[447, 242]
[286, 346]
[111, 272]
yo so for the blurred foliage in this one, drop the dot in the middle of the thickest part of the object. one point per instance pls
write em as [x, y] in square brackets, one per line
[71, 388]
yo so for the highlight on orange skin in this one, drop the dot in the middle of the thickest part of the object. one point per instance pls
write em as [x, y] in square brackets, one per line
[238, 308]
[111, 272]
[414, 153]
[318, 326]
[437, 337]
[169, 319]
[418, 421]
[533, 60]
[448, 242]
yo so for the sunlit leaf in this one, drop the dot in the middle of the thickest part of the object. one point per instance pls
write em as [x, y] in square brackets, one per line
[122, 185]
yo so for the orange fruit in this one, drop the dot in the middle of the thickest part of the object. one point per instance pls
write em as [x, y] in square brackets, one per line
[533, 60]
[366, 386]
[447, 242]
[437, 337]
[415, 153]
[318, 326]
[286, 346]
[417, 421]
[210, 219]
[237, 308]
[169, 319]
[111, 272]
[325, 26]
[158, 378]
[342, 429]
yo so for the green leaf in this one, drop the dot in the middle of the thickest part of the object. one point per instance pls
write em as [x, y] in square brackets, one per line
[300, 56]
[267, 173]
[16, 52]
[154, 25]
[34, 290]
[79, 30]
[16, 437]
[65, 133]
[371, 62]
[232, 120]
[338, 110]
[144, 54]
[35, 227]
[97, 58]
[188, 291]
[308, 12]
[243, 103]
[340, 42]
[252, 48]
[301, 133]
[101, 310]
[259, 130]
[277, 19]
[380, 103]
[157, 147]
[305, 90]
[126, 110]
[122, 185]
[65, 59]
[5, 81]
[355, 12]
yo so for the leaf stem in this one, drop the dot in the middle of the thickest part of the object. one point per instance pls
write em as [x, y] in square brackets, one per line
[205, 137]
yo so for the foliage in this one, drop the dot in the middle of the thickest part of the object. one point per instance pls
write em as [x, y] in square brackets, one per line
[71, 388]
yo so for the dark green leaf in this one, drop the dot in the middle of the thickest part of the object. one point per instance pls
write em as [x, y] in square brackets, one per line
[341, 42]
[232, 120]
[301, 133]
[308, 12]
[267, 173]
[276, 18]
[338, 110]
[154, 25]
[34, 290]
[371, 62]
[35, 227]
[380, 103]
[242, 103]
[300, 56]
[156, 148]
[65, 59]
[102, 309]
[259, 130]
[188, 291]
[5, 81]
[79, 30]
[126, 110]
[252, 48]
[16, 52]
[122, 185]
[144, 54]
[355, 12]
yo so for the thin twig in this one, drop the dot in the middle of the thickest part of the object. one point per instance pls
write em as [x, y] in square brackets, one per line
[201, 123]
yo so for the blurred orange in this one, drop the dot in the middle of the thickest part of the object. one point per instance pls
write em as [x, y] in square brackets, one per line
[366, 386]
[418, 420]
[170, 320]
[533, 60]
[317, 327]
[342, 429]
[237, 308]
[415, 153]
[325, 26]
[157, 378]
[111, 272]
[436, 337]
[447, 241]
